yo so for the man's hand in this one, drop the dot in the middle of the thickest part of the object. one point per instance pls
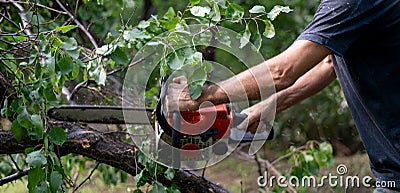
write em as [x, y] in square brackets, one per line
[259, 116]
[178, 96]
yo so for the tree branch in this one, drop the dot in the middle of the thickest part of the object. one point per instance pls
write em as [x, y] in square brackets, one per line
[109, 150]
[80, 25]
[13, 177]
[87, 178]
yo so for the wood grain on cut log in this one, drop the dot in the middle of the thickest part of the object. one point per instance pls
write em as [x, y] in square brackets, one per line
[108, 149]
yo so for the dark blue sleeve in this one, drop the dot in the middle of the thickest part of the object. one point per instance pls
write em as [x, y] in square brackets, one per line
[337, 23]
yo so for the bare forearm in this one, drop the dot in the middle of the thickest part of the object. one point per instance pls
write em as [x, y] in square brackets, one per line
[307, 85]
[262, 80]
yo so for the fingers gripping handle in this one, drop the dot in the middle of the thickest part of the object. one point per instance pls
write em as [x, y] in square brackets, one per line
[237, 118]
[243, 136]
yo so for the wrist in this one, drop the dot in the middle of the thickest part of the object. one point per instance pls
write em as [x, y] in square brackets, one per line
[214, 94]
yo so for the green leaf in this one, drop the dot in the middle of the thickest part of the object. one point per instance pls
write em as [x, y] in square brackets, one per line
[135, 34]
[120, 56]
[269, 31]
[4, 110]
[35, 176]
[141, 158]
[51, 64]
[54, 160]
[5, 168]
[23, 119]
[158, 188]
[170, 14]
[66, 28]
[121, 4]
[36, 159]
[199, 75]
[215, 13]
[65, 65]
[75, 72]
[277, 10]
[137, 191]
[57, 135]
[197, 57]
[258, 41]
[37, 129]
[194, 2]
[195, 90]
[151, 167]
[245, 38]
[169, 173]
[143, 24]
[49, 94]
[207, 66]
[326, 147]
[106, 49]
[18, 131]
[224, 39]
[102, 77]
[313, 167]
[141, 178]
[73, 53]
[173, 189]
[70, 44]
[220, 3]
[55, 181]
[257, 9]
[37, 120]
[42, 187]
[200, 11]
[234, 11]
[175, 61]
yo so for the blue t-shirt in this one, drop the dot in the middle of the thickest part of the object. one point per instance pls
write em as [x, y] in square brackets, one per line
[364, 36]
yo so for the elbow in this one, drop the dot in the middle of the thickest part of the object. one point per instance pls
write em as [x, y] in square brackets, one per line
[282, 78]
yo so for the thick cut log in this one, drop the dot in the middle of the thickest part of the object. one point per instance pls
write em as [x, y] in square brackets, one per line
[109, 149]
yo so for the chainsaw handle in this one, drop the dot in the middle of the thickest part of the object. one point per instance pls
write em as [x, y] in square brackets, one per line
[238, 118]
[176, 127]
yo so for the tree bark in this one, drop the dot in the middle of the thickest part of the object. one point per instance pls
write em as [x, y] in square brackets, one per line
[109, 149]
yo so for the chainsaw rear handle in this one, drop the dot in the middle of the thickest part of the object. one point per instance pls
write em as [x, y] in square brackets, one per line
[237, 118]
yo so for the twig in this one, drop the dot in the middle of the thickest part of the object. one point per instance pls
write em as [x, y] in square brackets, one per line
[287, 155]
[36, 4]
[24, 19]
[9, 20]
[14, 177]
[43, 114]
[87, 33]
[204, 170]
[15, 163]
[77, 87]
[258, 165]
[271, 168]
[87, 178]
[133, 63]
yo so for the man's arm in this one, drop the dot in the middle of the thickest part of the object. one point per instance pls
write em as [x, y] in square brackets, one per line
[285, 69]
[307, 85]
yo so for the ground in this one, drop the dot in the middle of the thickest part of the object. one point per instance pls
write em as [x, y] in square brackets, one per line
[234, 173]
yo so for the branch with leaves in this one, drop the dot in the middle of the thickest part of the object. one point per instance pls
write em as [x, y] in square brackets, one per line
[103, 148]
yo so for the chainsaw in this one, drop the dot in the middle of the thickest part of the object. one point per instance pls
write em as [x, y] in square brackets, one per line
[188, 131]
